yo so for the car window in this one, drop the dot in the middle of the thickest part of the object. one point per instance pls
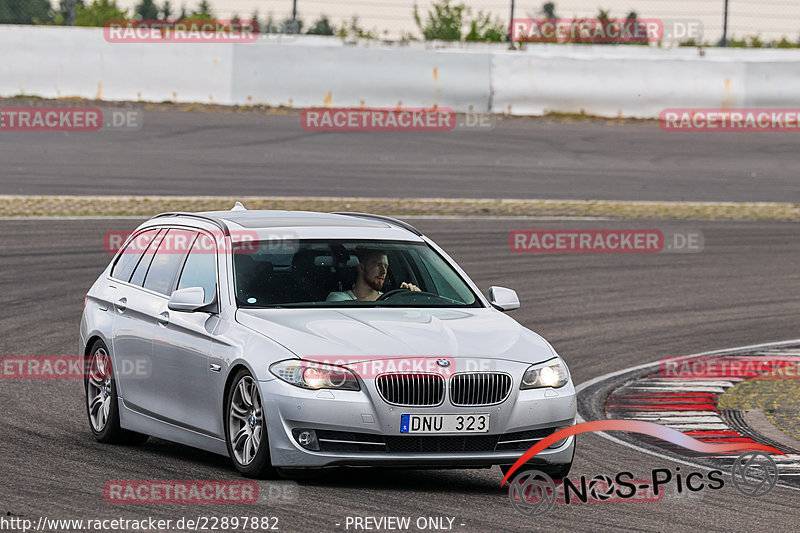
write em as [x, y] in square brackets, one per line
[444, 280]
[130, 256]
[167, 260]
[200, 269]
[324, 273]
[144, 262]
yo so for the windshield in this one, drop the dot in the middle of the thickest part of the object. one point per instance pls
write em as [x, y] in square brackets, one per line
[337, 273]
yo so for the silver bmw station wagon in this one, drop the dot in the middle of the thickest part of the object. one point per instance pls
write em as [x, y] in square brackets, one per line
[296, 340]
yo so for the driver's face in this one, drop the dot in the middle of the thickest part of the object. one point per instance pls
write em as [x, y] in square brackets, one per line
[374, 271]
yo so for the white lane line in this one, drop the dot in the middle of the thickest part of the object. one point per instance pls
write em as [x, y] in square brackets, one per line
[655, 364]
[676, 389]
[699, 427]
[401, 217]
[682, 383]
[659, 414]
[500, 217]
[790, 353]
[647, 366]
[683, 419]
[97, 217]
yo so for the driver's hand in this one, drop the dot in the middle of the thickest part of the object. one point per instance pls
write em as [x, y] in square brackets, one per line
[409, 286]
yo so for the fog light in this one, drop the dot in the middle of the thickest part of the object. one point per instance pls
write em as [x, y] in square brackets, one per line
[307, 438]
[560, 443]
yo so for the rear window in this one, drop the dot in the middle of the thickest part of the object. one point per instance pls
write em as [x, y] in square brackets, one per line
[147, 258]
[131, 254]
[168, 260]
[200, 269]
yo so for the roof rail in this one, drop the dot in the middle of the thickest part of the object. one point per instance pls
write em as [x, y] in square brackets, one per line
[388, 220]
[216, 221]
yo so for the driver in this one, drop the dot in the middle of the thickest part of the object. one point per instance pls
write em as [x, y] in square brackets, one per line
[372, 267]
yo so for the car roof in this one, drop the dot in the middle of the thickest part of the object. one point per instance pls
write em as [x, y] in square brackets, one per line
[357, 225]
[292, 219]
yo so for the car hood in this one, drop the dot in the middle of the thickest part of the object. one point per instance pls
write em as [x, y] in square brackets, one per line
[375, 333]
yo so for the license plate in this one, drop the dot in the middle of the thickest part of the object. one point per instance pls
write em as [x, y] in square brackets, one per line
[476, 423]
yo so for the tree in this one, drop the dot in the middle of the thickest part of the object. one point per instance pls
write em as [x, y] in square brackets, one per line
[483, 28]
[203, 11]
[270, 26]
[355, 31]
[444, 22]
[255, 20]
[166, 11]
[60, 15]
[98, 13]
[146, 10]
[25, 11]
[549, 10]
[605, 21]
[321, 27]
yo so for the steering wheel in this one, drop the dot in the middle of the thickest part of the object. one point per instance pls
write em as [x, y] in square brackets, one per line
[387, 295]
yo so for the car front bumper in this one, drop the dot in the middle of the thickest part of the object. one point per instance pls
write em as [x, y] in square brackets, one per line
[364, 416]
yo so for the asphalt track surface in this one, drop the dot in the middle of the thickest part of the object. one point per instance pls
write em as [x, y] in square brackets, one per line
[601, 312]
[194, 153]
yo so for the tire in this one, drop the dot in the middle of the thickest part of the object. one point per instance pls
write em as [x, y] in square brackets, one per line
[101, 403]
[246, 429]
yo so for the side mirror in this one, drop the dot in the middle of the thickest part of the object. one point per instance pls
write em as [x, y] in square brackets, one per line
[503, 299]
[189, 300]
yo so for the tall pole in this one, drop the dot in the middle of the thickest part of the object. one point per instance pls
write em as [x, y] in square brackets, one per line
[295, 29]
[72, 12]
[511, 24]
[725, 25]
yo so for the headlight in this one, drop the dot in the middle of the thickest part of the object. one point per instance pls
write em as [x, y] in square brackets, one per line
[545, 375]
[311, 375]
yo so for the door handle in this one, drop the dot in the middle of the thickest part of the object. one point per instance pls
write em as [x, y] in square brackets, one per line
[163, 319]
[121, 305]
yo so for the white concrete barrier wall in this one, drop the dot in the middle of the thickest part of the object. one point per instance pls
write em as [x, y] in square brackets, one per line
[635, 81]
[306, 76]
[639, 81]
[637, 87]
[57, 62]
